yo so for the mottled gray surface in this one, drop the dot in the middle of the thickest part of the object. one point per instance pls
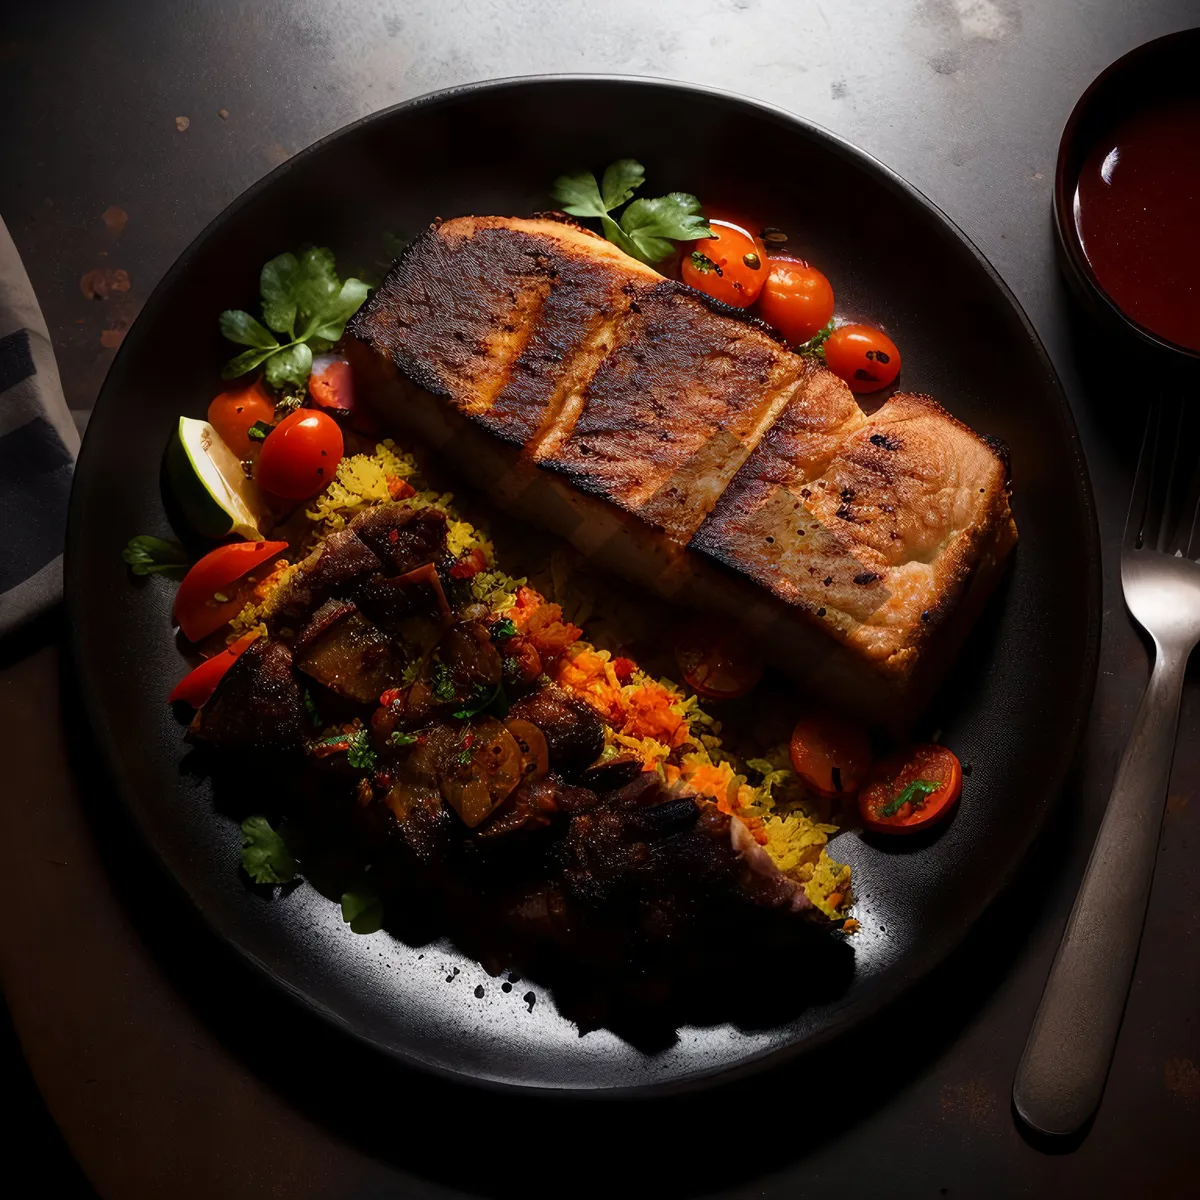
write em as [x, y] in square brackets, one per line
[965, 98]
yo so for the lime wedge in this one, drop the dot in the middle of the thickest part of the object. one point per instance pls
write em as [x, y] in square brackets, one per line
[212, 489]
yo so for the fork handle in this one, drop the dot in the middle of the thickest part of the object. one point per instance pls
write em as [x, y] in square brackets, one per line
[1061, 1075]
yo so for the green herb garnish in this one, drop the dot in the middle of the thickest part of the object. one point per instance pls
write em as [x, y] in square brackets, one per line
[359, 753]
[265, 856]
[362, 910]
[815, 346]
[310, 707]
[502, 629]
[914, 793]
[258, 431]
[306, 303]
[152, 556]
[704, 264]
[481, 697]
[443, 682]
[399, 738]
[646, 229]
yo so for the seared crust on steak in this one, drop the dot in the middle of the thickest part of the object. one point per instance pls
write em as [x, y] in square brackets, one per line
[680, 443]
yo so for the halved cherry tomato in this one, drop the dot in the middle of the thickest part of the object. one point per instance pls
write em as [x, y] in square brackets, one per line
[866, 358]
[535, 752]
[196, 687]
[717, 661]
[300, 454]
[481, 771]
[730, 266]
[206, 598]
[331, 384]
[830, 754]
[796, 298]
[911, 790]
[232, 413]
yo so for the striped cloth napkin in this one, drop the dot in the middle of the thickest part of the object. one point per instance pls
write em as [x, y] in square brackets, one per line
[38, 444]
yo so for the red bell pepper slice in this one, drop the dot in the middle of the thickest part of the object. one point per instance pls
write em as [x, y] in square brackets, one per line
[205, 600]
[196, 687]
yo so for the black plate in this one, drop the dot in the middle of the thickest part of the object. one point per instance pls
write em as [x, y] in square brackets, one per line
[1013, 711]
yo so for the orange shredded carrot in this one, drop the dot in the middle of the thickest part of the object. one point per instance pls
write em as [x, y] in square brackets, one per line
[399, 489]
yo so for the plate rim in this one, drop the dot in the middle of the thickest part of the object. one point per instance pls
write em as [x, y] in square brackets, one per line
[847, 1015]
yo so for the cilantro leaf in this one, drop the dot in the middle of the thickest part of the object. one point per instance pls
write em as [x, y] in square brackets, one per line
[265, 857]
[359, 753]
[652, 225]
[647, 228]
[152, 556]
[914, 793]
[362, 910]
[259, 430]
[400, 738]
[306, 304]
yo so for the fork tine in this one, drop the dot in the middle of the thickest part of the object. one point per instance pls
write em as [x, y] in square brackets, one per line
[1143, 480]
[1190, 534]
[1170, 505]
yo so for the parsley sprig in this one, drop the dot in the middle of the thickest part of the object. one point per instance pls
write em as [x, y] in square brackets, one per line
[646, 229]
[304, 302]
[815, 346]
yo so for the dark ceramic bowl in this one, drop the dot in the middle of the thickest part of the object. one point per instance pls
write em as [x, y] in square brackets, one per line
[1159, 69]
[1013, 710]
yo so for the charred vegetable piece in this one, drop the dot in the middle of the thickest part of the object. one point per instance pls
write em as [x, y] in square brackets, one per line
[483, 768]
[535, 754]
[353, 658]
[403, 538]
[341, 560]
[574, 734]
[257, 705]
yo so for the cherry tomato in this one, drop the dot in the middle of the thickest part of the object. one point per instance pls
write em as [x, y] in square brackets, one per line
[730, 266]
[300, 455]
[207, 599]
[866, 358]
[911, 790]
[198, 685]
[232, 413]
[716, 661]
[796, 298]
[830, 754]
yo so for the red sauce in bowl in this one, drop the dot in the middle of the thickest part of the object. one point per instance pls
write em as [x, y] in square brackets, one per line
[1137, 213]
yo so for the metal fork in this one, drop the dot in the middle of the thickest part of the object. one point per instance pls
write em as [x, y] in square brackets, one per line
[1062, 1073]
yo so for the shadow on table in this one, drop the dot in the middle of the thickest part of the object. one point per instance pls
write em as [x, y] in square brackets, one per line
[479, 1142]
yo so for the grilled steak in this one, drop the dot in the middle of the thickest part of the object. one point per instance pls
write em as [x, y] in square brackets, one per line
[677, 442]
